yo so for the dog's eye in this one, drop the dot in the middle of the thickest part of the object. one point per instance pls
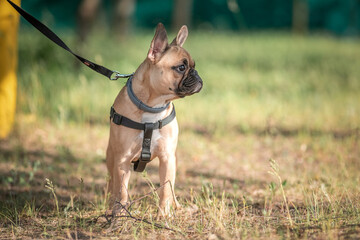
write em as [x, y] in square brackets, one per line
[181, 68]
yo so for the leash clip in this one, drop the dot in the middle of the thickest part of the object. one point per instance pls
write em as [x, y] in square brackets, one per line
[118, 75]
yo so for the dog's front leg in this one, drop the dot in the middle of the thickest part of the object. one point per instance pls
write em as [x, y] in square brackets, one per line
[121, 175]
[119, 170]
[167, 172]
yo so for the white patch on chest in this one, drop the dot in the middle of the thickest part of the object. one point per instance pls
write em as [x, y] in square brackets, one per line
[152, 118]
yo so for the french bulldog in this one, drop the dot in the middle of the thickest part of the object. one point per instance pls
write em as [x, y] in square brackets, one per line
[167, 73]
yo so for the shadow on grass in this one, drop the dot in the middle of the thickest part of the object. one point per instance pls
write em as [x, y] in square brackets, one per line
[287, 132]
[279, 131]
[211, 176]
[23, 175]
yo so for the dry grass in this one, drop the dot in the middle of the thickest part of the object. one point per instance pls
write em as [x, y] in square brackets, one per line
[223, 184]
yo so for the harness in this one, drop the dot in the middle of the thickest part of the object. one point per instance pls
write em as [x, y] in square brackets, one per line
[148, 128]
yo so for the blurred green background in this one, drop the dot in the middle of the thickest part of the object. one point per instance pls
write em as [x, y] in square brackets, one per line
[340, 17]
[268, 66]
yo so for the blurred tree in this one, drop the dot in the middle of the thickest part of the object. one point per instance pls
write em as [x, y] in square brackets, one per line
[88, 14]
[182, 13]
[88, 11]
[300, 18]
[9, 22]
[122, 12]
[86, 18]
[238, 16]
[122, 16]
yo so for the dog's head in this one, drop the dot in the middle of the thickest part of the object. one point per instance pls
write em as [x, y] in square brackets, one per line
[172, 70]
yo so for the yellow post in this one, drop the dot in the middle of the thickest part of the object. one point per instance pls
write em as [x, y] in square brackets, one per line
[9, 22]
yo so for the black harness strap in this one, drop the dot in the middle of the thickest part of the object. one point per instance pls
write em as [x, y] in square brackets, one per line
[53, 37]
[148, 128]
[145, 155]
[122, 120]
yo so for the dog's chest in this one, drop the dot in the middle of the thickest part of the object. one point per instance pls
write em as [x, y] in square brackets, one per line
[152, 118]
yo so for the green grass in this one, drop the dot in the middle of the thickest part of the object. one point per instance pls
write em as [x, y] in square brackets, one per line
[251, 81]
[266, 96]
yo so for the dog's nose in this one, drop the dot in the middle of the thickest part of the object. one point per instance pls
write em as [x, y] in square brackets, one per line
[199, 81]
[199, 84]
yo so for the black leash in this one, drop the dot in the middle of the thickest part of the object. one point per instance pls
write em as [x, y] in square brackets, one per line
[112, 75]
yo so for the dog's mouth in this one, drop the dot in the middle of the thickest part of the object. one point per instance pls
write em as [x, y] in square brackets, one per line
[190, 85]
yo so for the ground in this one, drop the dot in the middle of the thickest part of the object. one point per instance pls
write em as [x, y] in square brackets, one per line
[223, 184]
[269, 149]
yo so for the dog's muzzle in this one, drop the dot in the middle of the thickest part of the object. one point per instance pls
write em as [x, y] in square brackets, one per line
[190, 85]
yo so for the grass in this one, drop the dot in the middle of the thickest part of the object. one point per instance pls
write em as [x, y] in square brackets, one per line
[294, 100]
[251, 80]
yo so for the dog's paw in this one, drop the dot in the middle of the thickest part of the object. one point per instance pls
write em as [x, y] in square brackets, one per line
[168, 210]
[118, 209]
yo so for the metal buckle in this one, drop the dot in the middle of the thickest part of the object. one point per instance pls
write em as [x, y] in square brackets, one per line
[160, 123]
[145, 157]
[118, 75]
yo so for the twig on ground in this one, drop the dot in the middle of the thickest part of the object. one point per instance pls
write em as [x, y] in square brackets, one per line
[126, 209]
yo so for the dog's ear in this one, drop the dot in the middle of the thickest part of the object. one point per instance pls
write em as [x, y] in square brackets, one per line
[158, 44]
[181, 36]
